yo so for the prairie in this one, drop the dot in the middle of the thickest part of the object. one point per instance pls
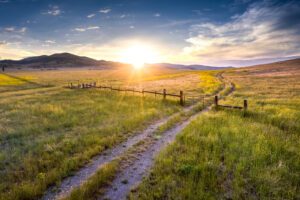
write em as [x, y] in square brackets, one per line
[47, 131]
[225, 154]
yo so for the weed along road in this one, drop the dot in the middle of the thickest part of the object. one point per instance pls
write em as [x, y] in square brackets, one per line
[134, 173]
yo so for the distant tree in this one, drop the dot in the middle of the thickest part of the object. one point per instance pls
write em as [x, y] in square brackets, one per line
[3, 68]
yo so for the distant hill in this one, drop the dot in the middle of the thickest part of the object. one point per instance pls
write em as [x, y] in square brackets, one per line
[189, 67]
[67, 60]
[61, 60]
[287, 66]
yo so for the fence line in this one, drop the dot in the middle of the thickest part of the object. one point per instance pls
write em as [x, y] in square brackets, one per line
[164, 93]
[245, 107]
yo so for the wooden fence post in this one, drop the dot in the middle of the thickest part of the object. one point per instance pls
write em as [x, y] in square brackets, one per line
[82, 86]
[216, 101]
[71, 85]
[181, 98]
[245, 106]
[165, 93]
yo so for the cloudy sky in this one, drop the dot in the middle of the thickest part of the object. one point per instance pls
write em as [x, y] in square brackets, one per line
[220, 33]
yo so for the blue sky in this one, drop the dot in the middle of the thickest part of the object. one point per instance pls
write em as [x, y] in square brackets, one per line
[189, 32]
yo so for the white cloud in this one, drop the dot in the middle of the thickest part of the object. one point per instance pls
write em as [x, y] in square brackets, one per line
[156, 15]
[80, 29]
[2, 43]
[257, 33]
[132, 27]
[88, 28]
[14, 30]
[93, 27]
[122, 16]
[4, 1]
[91, 15]
[50, 41]
[9, 29]
[22, 30]
[105, 11]
[54, 10]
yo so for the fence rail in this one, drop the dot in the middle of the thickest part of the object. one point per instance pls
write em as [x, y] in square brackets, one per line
[245, 107]
[164, 93]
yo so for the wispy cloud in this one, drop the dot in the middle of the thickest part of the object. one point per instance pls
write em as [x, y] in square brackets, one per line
[105, 11]
[122, 16]
[176, 23]
[2, 43]
[93, 27]
[4, 1]
[156, 15]
[9, 29]
[80, 29]
[22, 30]
[263, 30]
[91, 15]
[53, 10]
[88, 28]
[50, 41]
[131, 27]
[13, 29]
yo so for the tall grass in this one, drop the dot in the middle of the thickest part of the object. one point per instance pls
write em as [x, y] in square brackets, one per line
[46, 136]
[228, 155]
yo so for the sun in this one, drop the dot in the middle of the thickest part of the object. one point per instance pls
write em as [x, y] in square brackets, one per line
[138, 55]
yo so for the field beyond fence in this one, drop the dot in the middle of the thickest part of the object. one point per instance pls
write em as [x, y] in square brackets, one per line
[181, 96]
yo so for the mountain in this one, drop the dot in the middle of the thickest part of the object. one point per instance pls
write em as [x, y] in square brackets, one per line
[188, 67]
[60, 60]
[67, 60]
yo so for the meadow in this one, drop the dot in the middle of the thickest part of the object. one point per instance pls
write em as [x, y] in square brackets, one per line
[47, 131]
[225, 154]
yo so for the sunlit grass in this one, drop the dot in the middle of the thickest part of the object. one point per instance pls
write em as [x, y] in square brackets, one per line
[209, 84]
[10, 80]
[227, 154]
[48, 133]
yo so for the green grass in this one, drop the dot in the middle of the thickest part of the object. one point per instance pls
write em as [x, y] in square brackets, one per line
[220, 156]
[226, 155]
[12, 80]
[129, 156]
[209, 83]
[49, 134]
[95, 185]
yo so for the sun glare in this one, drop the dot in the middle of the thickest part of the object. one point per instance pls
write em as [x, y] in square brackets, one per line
[139, 55]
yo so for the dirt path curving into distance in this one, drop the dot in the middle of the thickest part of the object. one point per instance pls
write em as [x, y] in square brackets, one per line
[134, 173]
[91, 168]
[141, 166]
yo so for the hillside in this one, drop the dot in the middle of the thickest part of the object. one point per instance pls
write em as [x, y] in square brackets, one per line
[62, 60]
[67, 60]
[282, 67]
[188, 67]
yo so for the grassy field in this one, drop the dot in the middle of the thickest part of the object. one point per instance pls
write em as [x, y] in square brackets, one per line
[226, 155]
[47, 131]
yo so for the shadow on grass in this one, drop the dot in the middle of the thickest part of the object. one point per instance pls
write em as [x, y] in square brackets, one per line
[21, 79]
